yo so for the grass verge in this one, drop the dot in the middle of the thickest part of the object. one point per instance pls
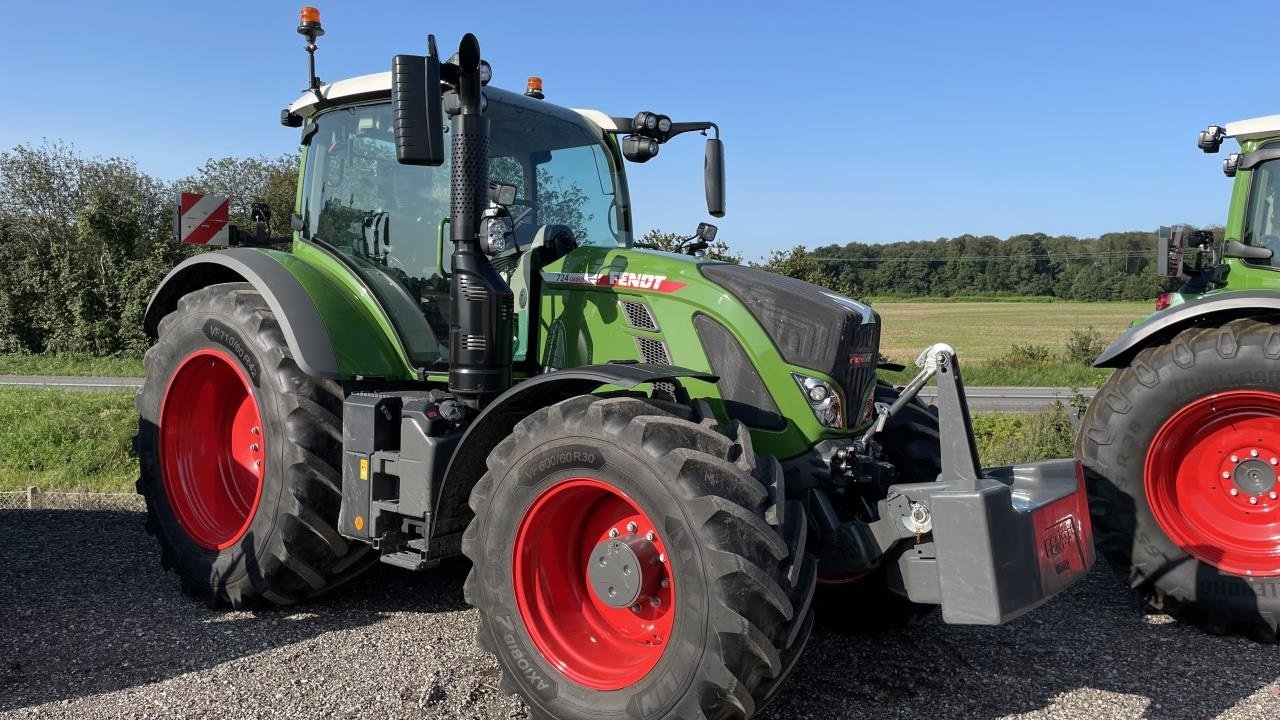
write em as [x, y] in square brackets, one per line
[63, 440]
[1060, 375]
[67, 441]
[79, 365]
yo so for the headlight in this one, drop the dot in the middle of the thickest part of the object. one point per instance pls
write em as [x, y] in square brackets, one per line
[497, 234]
[823, 399]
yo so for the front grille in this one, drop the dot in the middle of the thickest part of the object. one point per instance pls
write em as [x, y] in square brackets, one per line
[863, 357]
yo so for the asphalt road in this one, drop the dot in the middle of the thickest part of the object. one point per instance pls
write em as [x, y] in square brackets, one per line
[90, 627]
[981, 399]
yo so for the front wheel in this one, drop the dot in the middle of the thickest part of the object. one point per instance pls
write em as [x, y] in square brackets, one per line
[631, 563]
[1182, 450]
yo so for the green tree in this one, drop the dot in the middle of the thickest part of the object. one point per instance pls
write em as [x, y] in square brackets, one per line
[248, 180]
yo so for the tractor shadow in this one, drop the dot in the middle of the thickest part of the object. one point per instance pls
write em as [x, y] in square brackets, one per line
[85, 609]
[1075, 655]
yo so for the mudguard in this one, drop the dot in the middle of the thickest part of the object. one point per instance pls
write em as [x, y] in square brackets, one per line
[495, 423]
[312, 311]
[1164, 325]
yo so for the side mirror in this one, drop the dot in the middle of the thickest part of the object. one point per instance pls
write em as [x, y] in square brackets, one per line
[503, 194]
[713, 177]
[419, 114]
[1237, 249]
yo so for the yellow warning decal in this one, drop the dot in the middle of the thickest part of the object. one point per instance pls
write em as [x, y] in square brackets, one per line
[364, 468]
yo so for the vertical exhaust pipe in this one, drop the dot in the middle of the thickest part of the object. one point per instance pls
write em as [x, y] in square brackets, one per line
[480, 319]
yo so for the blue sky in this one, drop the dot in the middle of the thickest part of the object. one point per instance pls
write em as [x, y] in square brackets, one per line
[848, 121]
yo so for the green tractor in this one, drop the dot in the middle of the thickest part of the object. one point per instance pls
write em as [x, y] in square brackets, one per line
[1182, 444]
[661, 467]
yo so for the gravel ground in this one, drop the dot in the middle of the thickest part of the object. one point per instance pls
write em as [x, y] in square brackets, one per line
[91, 628]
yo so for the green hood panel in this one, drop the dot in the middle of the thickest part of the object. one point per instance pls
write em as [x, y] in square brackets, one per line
[588, 315]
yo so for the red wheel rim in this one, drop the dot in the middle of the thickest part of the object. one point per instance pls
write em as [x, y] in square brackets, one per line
[211, 448]
[588, 640]
[1211, 481]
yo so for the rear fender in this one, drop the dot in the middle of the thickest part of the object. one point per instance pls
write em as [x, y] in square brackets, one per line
[312, 311]
[1164, 325]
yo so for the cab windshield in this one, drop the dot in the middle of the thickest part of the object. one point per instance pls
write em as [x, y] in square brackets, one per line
[389, 221]
[1262, 220]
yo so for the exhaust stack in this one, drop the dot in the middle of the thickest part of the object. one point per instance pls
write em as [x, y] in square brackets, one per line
[480, 320]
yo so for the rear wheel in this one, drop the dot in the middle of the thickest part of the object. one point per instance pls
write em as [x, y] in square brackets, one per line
[631, 562]
[1182, 449]
[864, 605]
[239, 453]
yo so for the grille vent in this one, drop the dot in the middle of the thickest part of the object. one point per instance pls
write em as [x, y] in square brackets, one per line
[653, 351]
[639, 316]
[474, 342]
[472, 290]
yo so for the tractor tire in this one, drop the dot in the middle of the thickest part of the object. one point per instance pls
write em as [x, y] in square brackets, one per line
[719, 608]
[240, 455]
[1180, 451]
[865, 605]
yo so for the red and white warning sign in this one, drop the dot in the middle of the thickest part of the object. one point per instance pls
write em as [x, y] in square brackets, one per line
[202, 219]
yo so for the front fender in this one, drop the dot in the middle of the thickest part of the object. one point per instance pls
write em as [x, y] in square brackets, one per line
[1164, 325]
[318, 318]
[498, 418]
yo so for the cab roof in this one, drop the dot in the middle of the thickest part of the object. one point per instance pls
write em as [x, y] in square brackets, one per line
[1254, 128]
[378, 85]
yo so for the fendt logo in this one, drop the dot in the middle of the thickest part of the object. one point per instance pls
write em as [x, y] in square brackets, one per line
[1057, 539]
[615, 279]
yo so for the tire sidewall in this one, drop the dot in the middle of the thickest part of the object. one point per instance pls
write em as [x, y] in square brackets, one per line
[210, 329]
[515, 489]
[1147, 406]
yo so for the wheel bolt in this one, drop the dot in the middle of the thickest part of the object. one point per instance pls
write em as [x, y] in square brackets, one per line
[613, 532]
[255, 430]
[650, 536]
[1225, 474]
[257, 464]
[662, 557]
[667, 583]
[254, 447]
[1234, 491]
[1235, 458]
[1253, 453]
[654, 602]
[1275, 461]
[1253, 500]
[635, 608]
[1272, 495]
[631, 527]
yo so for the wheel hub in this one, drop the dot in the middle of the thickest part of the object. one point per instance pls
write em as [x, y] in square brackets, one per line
[1254, 477]
[212, 448]
[593, 583]
[624, 571]
[1212, 478]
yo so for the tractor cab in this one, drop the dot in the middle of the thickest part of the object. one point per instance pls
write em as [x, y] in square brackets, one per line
[389, 221]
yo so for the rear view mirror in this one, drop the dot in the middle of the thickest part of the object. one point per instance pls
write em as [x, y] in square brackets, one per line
[419, 116]
[503, 194]
[1237, 249]
[713, 177]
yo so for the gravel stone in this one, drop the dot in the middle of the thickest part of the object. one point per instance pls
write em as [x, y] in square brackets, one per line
[90, 627]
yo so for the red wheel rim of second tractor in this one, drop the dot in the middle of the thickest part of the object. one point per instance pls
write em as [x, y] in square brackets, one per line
[1211, 481]
[592, 643]
[212, 454]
